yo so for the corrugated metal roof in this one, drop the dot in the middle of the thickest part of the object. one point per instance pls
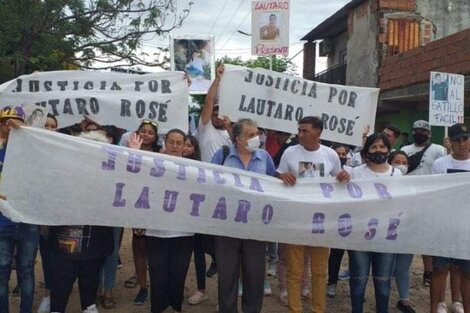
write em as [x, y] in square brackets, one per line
[334, 25]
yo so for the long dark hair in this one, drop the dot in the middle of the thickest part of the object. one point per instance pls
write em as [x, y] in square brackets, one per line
[197, 150]
[156, 146]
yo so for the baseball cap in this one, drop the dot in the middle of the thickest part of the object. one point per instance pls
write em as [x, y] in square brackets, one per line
[12, 112]
[422, 124]
[457, 131]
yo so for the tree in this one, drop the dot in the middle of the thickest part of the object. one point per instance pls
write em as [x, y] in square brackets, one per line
[65, 34]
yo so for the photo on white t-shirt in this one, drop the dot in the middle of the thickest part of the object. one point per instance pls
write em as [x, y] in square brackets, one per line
[310, 169]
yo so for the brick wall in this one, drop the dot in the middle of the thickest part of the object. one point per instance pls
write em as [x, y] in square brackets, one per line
[309, 60]
[450, 54]
[400, 5]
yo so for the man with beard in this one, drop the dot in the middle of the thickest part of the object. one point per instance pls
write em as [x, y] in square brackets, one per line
[422, 141]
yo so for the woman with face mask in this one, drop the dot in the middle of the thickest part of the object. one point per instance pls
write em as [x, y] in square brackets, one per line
[375, 153]
[399, 160]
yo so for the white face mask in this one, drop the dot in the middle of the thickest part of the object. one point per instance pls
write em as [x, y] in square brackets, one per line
[402, 168]
[253, 144]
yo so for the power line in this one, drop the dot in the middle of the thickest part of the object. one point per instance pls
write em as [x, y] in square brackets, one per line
[218, 16]
[230, 19]
[235, 31]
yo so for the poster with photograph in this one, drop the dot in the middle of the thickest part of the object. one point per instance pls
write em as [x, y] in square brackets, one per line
[195, 56]
[270, 28]
[35, 116]
[446, 99]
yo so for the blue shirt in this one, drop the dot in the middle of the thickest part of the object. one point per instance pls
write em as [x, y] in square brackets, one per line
[261, 162]
[3, 220]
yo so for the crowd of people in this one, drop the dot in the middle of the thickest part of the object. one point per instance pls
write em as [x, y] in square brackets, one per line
[90, 254]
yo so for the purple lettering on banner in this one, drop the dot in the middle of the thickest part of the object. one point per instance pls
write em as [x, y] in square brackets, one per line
[220, 211]
[218, 178]
[119, 202]
[268, 213]
[143, 201]
[134, 162]
[382, 191]
[344, 225]
[255, 185]
[242, 211]
[326, 189]
[354, 190]
[238, 181]
[373, 223]
[317, 221]
[201, 175]
[169, 202]
[158, 170]
[392, 227]
[110, 164]
[181, 171]
[197, 199]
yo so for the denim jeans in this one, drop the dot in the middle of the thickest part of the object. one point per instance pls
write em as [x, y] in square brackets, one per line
[25, 238]
[109, 270]
[402, 275]
[382, 270]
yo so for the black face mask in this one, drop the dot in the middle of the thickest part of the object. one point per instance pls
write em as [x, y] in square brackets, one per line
[420, 138]
[343, 161]
[377, 157]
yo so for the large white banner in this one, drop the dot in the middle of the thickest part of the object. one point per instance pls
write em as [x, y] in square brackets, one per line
[270, 28]
[446, 99]
[278, 101]
[46, 183]
[108, 98]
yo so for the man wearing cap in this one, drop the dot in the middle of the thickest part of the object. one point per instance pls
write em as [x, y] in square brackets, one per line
[422, 140]
[24, 237]
[457, 161]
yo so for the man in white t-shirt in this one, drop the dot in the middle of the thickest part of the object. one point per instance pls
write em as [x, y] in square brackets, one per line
[308, 159]
[422, 140]
[213, 132]
[458, 161]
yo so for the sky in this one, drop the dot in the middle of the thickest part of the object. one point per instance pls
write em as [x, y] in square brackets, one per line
[222, 19]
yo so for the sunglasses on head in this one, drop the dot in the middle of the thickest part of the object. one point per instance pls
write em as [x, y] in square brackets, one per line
[150, 122]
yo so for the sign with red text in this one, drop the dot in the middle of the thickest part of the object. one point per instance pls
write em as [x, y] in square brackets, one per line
[108, 98]
[117, 186]
[446, 99]
[278, 101]
[270, 28]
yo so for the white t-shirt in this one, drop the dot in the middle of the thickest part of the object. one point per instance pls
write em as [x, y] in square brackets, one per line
[448, 164]
[433, 153]
[211, 139]
[323, 162]
[363, 171]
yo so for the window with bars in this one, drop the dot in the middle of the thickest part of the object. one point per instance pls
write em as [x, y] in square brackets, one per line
[402, 35]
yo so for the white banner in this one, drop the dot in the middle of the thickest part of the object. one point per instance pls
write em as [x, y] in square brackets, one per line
[446, 99]
[108, 98]
[47, 183]
[270, 28]
[278, 101]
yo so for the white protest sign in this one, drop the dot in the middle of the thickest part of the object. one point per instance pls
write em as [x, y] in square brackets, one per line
[446, 99]
[108, 98]
[89, 182]
[270, 28]
[278, 101]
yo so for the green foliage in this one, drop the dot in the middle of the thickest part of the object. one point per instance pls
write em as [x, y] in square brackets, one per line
[62, 34]
[278, 64]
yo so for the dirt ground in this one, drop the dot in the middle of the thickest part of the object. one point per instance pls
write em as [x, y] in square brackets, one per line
[124, 296]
